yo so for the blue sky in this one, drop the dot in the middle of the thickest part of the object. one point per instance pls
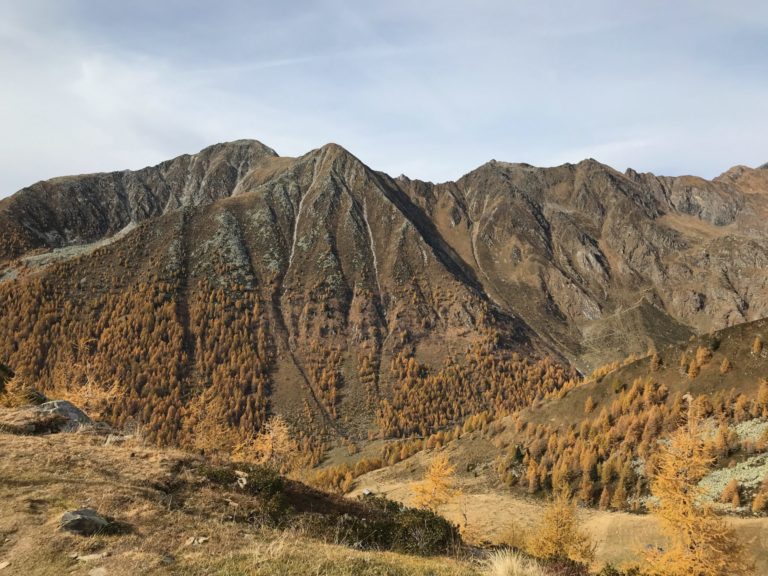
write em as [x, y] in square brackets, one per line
[431, 88]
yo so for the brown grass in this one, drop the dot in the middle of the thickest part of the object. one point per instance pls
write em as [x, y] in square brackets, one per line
[154, 497]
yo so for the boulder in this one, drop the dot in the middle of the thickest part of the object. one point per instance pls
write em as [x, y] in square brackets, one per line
[71, 413]
[48, 417]
[83, 521]
[117, 439]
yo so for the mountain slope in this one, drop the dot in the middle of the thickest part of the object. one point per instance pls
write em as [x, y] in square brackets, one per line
[215, 289]
[294, 294]
[600, 439]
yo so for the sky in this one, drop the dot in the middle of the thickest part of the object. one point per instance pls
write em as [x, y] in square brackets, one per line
[427, 88]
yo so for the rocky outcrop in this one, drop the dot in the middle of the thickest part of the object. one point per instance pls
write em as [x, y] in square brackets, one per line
[82, 209]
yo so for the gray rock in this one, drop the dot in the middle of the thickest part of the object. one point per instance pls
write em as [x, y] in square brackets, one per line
[92, 557]
[84, 521]
[117, 439]
[72, 415]
[45, 418]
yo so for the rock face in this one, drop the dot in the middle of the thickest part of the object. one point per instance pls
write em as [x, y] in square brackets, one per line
[83, 521]
[578, 261]
[83, 209]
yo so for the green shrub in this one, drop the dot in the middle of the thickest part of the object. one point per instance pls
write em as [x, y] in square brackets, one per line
[385, 525]
[423, 532]
[609, 570]
[219, 475]
[255, 480]
[272, 510]
[263, 481]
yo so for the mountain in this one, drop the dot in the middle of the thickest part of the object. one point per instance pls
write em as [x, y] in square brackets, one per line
[217, 288]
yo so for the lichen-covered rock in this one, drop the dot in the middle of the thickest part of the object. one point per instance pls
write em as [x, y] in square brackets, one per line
[64, 408]
[83, 521]
[48, 417]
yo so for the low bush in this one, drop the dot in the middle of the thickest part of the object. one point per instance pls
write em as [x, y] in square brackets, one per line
[252, 479]
[385, 525]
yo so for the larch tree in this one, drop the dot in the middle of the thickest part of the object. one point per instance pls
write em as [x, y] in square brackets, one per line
[438, 486]
[605, 499]
[731, 493]
[559, 536]
[700, 542]
[274, 446]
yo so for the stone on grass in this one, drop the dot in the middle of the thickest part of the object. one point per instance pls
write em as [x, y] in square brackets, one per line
[45, 418]
[84, 521]
[68, 411]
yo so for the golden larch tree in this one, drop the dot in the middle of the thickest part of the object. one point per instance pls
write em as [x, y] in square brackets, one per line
[559, 535]
[438, 486]
[700, 542]
[274, 446]
[655, 362]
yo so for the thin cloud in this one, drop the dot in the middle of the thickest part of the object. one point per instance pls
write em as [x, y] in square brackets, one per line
[431, 89]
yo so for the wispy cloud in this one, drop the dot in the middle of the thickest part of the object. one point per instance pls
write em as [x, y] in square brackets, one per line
[431, 89]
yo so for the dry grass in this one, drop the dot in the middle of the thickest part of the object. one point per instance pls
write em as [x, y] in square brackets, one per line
[289, 555]
[509, 563]
[144, 489]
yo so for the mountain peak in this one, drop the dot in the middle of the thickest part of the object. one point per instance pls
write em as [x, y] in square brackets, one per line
[334, 150]
[241, 144]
